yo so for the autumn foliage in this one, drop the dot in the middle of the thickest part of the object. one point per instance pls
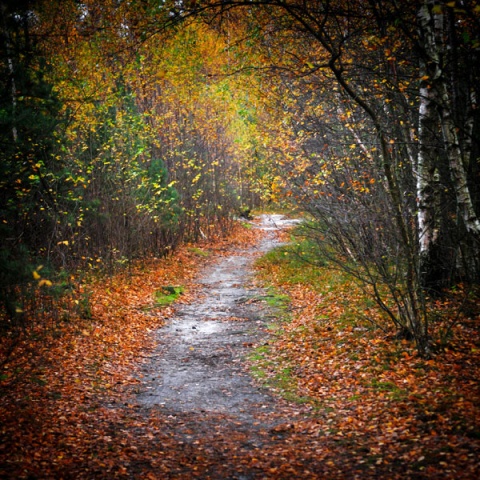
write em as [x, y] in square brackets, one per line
[359, 404]
[134, 133]
[395, 413]
[63, 393]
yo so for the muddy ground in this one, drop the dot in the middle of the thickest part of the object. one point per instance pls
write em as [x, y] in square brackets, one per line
[198, 365]
[197, 378]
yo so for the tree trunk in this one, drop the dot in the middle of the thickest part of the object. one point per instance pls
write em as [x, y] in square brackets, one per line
[439, 113]
[11, 70]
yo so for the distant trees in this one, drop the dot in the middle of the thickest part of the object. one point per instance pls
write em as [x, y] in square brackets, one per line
[29, 117]
[128, 127]
[118, 142]
[378, 136]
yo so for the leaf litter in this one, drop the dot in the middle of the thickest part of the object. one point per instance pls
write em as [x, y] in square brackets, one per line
[372, 408]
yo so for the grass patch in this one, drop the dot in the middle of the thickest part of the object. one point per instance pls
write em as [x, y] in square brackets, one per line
[325, 309]
[199, 252]
[260, 364]
[247, 225]
[280, 378]
[393, 391]
[297, 263]
[167, 295]
[277, 300]
[302, 263]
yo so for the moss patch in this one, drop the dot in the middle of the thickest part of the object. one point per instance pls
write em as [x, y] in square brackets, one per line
[166, 295]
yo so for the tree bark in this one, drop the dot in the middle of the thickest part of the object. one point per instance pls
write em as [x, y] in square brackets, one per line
[433, 42]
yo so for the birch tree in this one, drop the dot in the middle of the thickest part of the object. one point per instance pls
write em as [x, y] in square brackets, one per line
[400, 81]
[447, 117]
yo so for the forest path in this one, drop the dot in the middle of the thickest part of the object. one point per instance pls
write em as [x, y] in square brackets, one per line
[198, 363]
[196, 380]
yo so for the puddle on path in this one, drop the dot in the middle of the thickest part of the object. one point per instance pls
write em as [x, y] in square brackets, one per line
[198, 363]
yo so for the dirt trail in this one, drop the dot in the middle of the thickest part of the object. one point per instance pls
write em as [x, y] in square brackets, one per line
[198, 363]
[196, 389]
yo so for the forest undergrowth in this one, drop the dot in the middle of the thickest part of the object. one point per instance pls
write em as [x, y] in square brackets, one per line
[372, 393]
[374, 407]
[56, 387]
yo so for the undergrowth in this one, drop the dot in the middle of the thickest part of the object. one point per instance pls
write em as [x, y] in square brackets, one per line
[368, 388]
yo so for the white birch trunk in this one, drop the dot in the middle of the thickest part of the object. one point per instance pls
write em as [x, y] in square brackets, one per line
[427, 125]
[457, 167]
[431, 21]
[425, 173]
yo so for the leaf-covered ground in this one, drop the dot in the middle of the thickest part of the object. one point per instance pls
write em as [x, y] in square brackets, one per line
[396, 414]
[365, 405]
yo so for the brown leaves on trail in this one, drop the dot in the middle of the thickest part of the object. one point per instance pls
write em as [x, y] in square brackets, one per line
[395, 413]
[57, 420]
[372, 408]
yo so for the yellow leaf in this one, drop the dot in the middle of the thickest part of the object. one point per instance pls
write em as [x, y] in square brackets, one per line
[36, 275]
[45, 282]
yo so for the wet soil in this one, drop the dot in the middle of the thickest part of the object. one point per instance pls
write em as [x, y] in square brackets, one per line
[196, 388]
[198, 365]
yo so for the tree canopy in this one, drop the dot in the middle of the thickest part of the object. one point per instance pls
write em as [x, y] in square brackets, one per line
[137, 137]
[129, 127]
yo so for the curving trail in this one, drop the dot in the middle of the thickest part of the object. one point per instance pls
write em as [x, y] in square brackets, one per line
[196, 384]
[198, 363]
